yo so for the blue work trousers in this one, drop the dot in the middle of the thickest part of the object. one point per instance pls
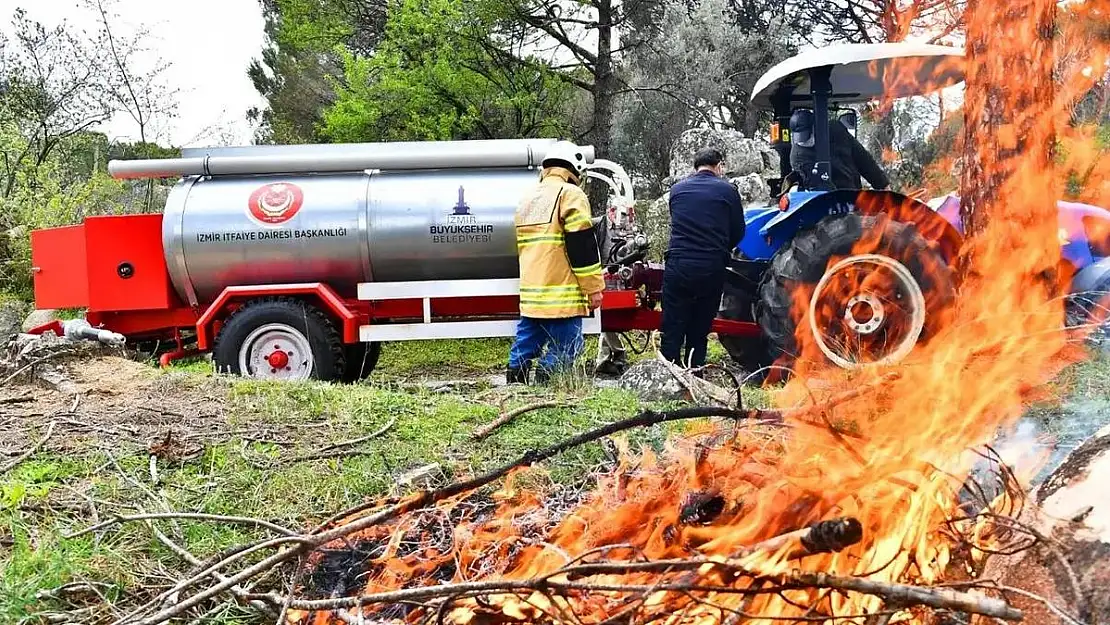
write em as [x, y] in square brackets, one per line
[691, 299]
[562, 337]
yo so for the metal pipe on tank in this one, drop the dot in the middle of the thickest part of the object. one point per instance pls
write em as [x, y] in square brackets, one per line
[364, 149]
[388, 156]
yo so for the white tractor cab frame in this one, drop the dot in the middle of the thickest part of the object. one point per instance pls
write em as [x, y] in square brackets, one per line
[825, 78]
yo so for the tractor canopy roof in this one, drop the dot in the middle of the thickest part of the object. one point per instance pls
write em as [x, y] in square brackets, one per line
[864, 72]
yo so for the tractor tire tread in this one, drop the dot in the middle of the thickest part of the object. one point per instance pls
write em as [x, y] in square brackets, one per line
[749, 353]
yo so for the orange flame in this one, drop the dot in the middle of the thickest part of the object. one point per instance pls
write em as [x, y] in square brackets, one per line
[894, 459]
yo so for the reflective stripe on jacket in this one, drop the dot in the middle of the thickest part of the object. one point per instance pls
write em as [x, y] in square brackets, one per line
[560, 265]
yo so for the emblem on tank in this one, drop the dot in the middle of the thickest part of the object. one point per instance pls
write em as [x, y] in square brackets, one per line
[275, 203]
[461, 208]
[460, 226]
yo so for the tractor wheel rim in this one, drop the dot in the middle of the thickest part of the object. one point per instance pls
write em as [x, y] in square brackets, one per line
[888, 301]
[276, 351]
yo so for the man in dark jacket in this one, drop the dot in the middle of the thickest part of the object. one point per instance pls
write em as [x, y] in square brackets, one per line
[707, 223]
[849, 159]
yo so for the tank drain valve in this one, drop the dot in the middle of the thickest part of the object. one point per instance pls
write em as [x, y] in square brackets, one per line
[81, 329]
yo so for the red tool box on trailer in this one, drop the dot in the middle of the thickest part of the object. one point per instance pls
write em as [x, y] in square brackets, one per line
[109, 263]
[58, 266]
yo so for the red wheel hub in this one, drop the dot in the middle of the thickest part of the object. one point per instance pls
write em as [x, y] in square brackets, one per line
[278, 359]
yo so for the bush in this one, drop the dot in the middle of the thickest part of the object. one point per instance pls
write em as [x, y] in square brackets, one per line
[48, 204]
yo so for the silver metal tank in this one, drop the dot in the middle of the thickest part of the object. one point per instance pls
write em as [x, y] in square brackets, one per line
[342, 228]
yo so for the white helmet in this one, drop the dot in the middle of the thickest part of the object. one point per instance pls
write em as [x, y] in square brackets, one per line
[566, 154]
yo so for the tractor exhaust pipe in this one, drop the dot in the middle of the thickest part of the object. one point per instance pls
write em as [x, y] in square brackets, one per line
[256, 160]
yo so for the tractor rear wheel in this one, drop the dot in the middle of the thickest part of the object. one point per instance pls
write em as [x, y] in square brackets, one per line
[278, 338]
[750, 353]
[854, 290]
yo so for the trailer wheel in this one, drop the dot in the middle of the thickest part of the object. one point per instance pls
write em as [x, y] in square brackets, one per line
[361, 359]
[280, 339]
[854, 291]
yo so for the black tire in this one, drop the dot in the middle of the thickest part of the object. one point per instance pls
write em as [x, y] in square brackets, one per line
[749, 353]
[361, 359]
[301, 321]
[796, 270]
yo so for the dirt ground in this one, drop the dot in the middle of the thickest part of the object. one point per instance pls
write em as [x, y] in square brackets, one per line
[118, 401]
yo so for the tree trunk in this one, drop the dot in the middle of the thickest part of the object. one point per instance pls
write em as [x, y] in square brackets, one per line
[605, 84]
[1008, 108]
[751, 125]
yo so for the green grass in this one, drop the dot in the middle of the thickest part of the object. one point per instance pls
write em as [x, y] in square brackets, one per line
[430, 426]
[1090, 379]
[443, 358]
[451, 359]
[416, 359]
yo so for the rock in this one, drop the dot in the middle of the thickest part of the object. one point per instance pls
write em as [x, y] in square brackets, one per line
[652, 381]
[753, 189]
[421, 477]
[11, 318]
[743, 156]
[38, 318]
[29, 358]
[1071, 509]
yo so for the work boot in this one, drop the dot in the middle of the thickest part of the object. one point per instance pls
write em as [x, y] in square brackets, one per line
[518, 375]
[543, 376]
[611, 367]
[620, 361]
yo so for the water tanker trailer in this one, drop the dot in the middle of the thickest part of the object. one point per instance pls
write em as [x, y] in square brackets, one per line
[293, 262]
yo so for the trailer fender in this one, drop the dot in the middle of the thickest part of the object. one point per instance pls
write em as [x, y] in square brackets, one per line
[810, 208]
[320, 293]
[1092, 277]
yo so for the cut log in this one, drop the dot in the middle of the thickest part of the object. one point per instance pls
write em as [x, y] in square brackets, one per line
[1062, 580]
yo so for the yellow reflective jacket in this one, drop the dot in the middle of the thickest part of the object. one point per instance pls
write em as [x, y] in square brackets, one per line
[560, 265]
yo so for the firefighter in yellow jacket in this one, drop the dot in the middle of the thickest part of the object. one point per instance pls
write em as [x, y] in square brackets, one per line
[560, 267]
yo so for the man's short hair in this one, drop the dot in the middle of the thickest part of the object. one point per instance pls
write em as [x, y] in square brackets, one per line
[708, 157]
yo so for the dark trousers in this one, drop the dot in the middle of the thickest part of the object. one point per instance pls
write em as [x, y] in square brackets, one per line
[691, 298]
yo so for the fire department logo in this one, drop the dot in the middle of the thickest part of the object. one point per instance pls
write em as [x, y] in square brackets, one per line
[275, 203]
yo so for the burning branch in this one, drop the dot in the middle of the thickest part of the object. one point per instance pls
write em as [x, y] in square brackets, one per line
[900, 594]
[905, 595]
[694, 583]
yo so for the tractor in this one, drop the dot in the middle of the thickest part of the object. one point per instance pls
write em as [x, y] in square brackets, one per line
[853, 278]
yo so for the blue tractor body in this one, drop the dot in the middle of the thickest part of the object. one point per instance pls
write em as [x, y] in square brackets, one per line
[1084, 232]
[1084, 229]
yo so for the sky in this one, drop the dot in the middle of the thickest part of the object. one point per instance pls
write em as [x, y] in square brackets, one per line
[210, 44]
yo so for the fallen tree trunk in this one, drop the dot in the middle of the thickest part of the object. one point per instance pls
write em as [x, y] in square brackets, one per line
[1062, 579]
